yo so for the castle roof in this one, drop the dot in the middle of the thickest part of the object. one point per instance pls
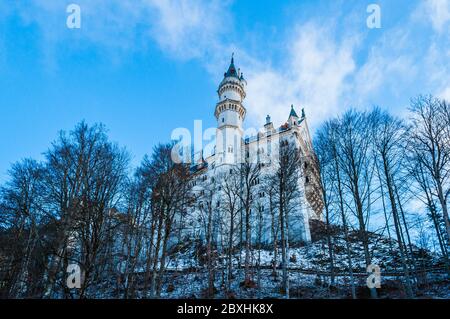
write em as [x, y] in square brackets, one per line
[293, 112]
[232, 69]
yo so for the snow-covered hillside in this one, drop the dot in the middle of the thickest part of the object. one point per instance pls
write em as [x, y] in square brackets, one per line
[309, 271]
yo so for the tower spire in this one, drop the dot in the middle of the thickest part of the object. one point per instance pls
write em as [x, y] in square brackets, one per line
[293, 113]
[232, 69]
[230, 114]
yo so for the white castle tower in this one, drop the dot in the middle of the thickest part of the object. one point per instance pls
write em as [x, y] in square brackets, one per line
[230, 114]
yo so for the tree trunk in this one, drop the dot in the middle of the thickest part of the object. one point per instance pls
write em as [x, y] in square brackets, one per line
[397, 225]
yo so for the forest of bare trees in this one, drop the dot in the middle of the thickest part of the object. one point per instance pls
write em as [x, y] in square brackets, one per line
[377, 168]
[385, 180]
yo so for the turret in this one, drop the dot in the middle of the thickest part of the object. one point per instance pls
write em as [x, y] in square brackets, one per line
[269, 125]
[293, 117]
[230, 114]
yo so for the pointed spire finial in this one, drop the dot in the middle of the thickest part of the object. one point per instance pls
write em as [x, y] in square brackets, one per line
[293, 112]
[232, 69]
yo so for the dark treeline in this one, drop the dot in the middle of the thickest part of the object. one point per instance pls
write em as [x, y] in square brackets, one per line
[84, 205]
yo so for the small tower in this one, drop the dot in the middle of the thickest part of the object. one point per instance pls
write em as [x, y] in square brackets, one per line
[269, 125]
[293, 117]
[230, 114]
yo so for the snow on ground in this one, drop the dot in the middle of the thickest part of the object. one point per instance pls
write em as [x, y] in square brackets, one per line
[308, 278]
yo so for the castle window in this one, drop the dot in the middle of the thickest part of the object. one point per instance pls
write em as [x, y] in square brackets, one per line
[223, 119]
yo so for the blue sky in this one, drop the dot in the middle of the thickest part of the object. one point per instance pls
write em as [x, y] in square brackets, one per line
[146, 67]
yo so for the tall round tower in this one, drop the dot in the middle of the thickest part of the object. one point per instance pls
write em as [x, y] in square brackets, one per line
[230, 114]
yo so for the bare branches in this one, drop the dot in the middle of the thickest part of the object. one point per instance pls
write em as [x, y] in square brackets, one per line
[431, 148]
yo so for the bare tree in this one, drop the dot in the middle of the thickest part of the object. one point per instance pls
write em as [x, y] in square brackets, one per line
[170, 195]
[286, 182]
[425, 195]
[22, 211]
[206, 204]
[389, 136]
[431, 147]
[136, 221]
[249, 174]
[85, 175]
[230, 205]
[271, 189]
[325, 166]
[357, 166]
[328, 139]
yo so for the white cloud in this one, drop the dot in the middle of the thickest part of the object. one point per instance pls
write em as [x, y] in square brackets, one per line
[189, 28]
[445, 94]
[317, 70]
[184, 29]
[314, 77]
[437, 65]
[438, 11]
[390, 64]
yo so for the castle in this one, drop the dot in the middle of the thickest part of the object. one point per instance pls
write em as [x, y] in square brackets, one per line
[232, 147]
